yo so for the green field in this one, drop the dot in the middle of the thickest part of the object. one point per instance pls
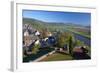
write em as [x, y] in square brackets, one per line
[80, 33]
[57, 57]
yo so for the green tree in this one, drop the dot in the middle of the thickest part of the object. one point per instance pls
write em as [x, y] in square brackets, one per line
[71, 43]
[36, 48]
[44, 32]
[79, 43]
[62, 39]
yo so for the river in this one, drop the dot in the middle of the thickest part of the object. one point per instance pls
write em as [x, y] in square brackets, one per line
[84, 39]
[87, 41]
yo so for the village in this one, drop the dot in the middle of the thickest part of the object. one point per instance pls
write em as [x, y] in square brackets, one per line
[40, 45]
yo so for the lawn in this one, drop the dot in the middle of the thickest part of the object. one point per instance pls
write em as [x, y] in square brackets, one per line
[57, 57]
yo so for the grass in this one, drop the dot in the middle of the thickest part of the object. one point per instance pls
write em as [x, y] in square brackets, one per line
[39, 53]
[57, 57]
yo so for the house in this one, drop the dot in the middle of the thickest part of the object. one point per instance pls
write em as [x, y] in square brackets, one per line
[37, 33]
[29, 28]
[43, 43]
[80, 53]
[26, 33]
[65, 48]
[37, 42]
[25, 26]
[27, 38]
[80, 49]
[49, 34]
[51, 40]
[45, 39]
[30, 47]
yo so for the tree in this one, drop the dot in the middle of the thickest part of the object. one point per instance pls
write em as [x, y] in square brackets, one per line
[79, 43]
[36, 48]
[44, 33]
[68, 39]
[62, 39]
[71, 43]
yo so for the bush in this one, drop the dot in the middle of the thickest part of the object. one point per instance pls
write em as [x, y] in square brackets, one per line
[35, 48]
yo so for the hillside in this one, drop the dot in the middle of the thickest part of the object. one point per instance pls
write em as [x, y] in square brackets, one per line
[54, 26]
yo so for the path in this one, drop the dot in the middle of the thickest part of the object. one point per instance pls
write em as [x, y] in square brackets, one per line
[42, 57]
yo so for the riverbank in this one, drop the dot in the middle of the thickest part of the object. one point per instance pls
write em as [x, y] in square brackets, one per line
[79, 33]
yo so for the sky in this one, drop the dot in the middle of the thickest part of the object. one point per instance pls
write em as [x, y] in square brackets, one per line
[62, 17]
